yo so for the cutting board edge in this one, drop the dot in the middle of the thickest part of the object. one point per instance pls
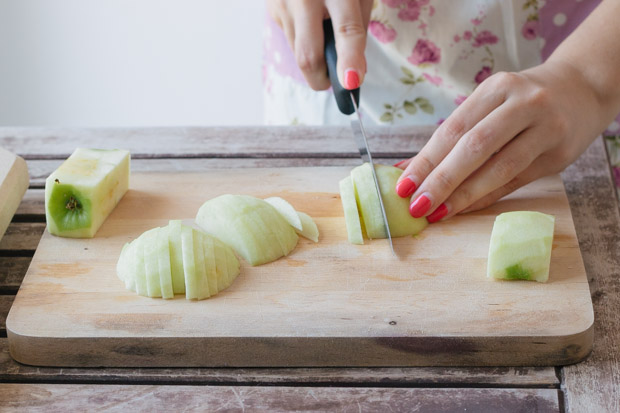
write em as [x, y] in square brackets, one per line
[420, 351]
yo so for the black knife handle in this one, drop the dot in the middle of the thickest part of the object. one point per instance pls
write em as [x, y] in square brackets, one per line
[342, 95]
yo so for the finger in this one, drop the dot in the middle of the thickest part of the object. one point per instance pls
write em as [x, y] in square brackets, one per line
[475, 108]
[367, 6]
[538, 169]
[350, 36]
[309, 43]
[469, 154]
[500, 169]
[403, 164]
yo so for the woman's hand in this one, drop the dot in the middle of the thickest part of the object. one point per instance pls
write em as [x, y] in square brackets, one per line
[512, 130]
[302, 22]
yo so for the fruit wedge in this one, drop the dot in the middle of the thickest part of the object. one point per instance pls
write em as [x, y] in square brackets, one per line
[82, 192]
[149, 264]
[303, 224]
[251, 226]
[520, 247]
[351, 213]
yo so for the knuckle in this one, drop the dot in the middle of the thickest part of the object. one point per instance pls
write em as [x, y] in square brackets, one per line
[505, 80]
[443, 181]
[506, 168]
[540, 97]
[307, 60]
[452, 129]
[350, 28]
[510, 186]
[477, 141]
[422, 164]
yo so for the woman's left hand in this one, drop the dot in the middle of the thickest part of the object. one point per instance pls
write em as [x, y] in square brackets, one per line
[512, 130]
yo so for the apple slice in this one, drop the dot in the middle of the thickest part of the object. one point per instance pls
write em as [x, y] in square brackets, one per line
[520, 247]
[176, 256]
[209, 261]
[286, 210]
[368, 201]
[221, 264]
[202, 281]
[351, 214]
[308, 227]
[251, 226]
[189, 263]
[151, 263]
[124, 267]
[163, 256]
[232, 263]
[139, 269]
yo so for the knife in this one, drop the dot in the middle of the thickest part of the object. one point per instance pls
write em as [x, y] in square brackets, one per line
[348, 103]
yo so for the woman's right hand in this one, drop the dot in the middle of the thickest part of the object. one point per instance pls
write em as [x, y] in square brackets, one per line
[302, 22]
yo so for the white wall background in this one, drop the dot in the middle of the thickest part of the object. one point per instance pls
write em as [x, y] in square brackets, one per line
[130, 62]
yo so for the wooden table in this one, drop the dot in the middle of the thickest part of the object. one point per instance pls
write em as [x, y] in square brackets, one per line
[593, 385]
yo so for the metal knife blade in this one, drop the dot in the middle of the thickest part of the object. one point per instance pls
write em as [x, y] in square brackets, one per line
[362, 145]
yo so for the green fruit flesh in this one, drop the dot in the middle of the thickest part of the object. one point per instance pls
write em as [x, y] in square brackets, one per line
[308, 227]
[251, 226]
[351, 214]
[189, 263]
[151, 263]
[163, 256]
[139, 270]
[221, 265]
[520, 246]
[367, 202]
[176, 257]
[82, 192]
[287, 211]
[209, 262]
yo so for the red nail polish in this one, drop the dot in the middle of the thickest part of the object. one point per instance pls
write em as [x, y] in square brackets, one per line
[420, 206]
[351, 79]
[397, 164]
[406, 187]
[436, 215]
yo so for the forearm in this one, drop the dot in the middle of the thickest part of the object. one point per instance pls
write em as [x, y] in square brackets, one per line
[593, 51]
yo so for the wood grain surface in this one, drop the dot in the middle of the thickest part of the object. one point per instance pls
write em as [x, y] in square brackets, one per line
[327, 304]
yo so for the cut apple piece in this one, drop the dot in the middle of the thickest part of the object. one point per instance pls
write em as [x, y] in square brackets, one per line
[14, 180]
[202, 282]
[176, 257]
[82, 192]
[139, 270]
[351, 214]
[209, 261]
[221, 264]
[151, 263]
[396, 208]
[163, 256]
[308, 227]
[286, 210]
[520, 247]
[251, 226]
[124, 267]
[189, 263]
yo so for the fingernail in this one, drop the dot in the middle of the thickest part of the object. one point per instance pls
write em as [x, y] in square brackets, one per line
[406, 187]
[351, 79]
[436, 215]
[420, 206]
[397, 164]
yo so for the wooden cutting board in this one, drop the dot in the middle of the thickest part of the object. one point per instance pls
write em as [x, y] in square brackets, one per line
[326, 304]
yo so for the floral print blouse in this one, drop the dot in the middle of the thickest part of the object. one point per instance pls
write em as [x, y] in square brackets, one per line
[425, 57]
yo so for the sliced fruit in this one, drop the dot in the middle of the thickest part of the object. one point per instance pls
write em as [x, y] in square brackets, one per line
[286, 210]
[163, 256]
[202, 282]
[221, 264]
[520, 247]
[251, 226]
[139, 270]
[151, 263]
[176, 257]
[124, 267]
[308, 227]
[82, 192]
[189, 263]
[396, 208]
[351, 214]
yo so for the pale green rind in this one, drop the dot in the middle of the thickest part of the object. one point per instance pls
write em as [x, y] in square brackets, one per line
[163, 255]
[523, 240]
[151, 262]
[210, 262]
[139, 269]
[201, 273]
[189, 263]
[351, 213]
[308, 227]
[368, 201]
[287, 211]
[176, 257]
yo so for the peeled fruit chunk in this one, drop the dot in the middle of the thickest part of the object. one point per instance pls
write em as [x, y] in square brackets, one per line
[177, 259]
[251, 226]
[520, 247]
[82, 192]
[14, 180]
[396, 208]
[351, 214]
[303, 223]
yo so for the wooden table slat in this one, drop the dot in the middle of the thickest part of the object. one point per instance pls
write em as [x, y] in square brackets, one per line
[12, 271]
[66, 397]
[5, 306]
[22, 236]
